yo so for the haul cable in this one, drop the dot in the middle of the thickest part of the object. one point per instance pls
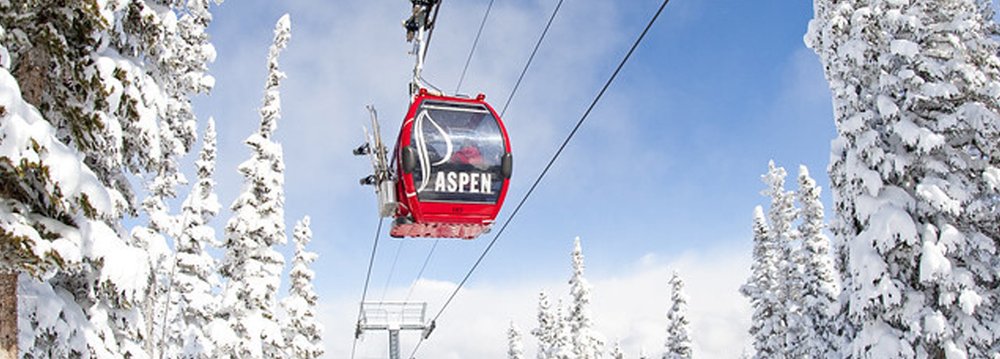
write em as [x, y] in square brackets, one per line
[544, 171]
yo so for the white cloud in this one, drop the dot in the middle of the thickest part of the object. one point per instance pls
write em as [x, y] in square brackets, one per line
[629, 308]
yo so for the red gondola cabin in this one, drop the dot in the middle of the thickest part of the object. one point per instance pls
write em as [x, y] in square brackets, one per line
[453, 165]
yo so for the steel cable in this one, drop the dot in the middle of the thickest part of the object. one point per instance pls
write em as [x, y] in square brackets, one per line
[545, 170]
[364, 292]
[473, 49]
[530, 58]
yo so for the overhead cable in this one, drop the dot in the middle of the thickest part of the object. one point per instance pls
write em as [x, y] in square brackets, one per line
[544, 171]
[530, 58]
[364, 292]
[473, 49]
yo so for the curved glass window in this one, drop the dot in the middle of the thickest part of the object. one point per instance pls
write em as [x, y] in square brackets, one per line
[459, 148]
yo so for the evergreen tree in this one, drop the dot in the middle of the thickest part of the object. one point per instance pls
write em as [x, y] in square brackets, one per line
[181, 59]
[781, 214]
[547, 327]
[760, 290]
[52, 211]
[41, 181]
[251, 264]
[113, 77]
[152, 238]
[303, 333]
[195, 279]
[515, 349]
[586, 342]
[563, 342]
[53, 56]
[914, 173]
[678, 344]
[98, 72]
[817, 328]
[829, 30]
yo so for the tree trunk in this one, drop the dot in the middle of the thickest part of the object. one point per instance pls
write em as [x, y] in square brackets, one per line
[31, 76]
[8, 315]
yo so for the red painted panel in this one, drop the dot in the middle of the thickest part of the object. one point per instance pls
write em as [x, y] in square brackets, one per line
[442, 219]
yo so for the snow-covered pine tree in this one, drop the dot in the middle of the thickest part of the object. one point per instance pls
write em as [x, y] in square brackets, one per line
[914, 172]
[818, 329]
[303, 333]
[115, 78]
[562, 345]
[175, 53]
[515, 348]
[831, 28]
[678, 343]
[780, 215]
[546, 330]
[251, 264]
[97, 71]
[760, 289]
[152, 238]
[53, 56]
[181, 54]
[51, 211]
[193, 304]
[586, 342]
[185, 57]
[774, 278]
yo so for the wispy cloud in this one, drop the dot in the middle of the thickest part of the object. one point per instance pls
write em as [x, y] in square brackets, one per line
[629, 307]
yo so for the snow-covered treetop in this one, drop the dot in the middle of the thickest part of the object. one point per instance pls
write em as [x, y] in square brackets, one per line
[515, 349]
[303, 333]
[252, 264]
[678, 342]
[586, 342]
[271, 112]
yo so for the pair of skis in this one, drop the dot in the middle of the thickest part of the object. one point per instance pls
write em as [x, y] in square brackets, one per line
[381, 177]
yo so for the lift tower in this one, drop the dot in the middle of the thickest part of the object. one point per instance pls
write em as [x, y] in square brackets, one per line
[393, 317]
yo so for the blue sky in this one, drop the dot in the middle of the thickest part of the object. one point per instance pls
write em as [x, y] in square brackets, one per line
[664, 174]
